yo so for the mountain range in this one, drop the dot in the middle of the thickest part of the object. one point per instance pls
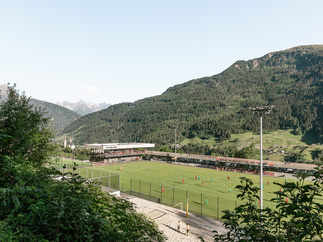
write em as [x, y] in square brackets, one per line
[63, 113]
[218, 106]
[81, 107]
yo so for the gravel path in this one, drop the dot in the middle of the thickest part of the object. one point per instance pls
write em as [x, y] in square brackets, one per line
[167, 219]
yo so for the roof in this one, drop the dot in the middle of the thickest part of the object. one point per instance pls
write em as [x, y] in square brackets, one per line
[118, 146]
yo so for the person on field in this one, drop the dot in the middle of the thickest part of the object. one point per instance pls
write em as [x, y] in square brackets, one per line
[179, 226]
[211, 179]
[202, 183]
[228, 178]
[188, 227]
[199, 177]
[205, 203]
[230, 189]
[183, 180]
[195, 177]
[121, 168]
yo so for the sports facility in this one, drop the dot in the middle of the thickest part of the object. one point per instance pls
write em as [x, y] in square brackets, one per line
[208, 191]
[69, 163]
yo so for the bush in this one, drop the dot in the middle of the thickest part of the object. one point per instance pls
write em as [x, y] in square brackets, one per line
[70, 209]
[298, 214]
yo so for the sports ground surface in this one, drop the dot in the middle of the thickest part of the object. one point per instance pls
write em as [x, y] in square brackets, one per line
[162, 182]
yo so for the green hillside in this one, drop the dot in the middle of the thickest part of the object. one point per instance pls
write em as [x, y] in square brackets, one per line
[217, 106]
[60, 116]
[276, 144]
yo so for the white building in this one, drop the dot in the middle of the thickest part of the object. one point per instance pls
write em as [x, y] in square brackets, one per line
[108, 153]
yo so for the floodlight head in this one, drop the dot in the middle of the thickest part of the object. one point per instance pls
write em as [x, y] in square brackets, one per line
[262, 109]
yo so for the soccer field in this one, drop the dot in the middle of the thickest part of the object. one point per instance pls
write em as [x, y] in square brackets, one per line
[69, 163]
[147, 179]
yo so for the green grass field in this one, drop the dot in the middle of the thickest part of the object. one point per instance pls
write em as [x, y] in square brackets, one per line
[146, 179]
[59, 163]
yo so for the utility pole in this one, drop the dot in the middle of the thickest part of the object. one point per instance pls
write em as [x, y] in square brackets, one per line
[261, 110]
[175, 146]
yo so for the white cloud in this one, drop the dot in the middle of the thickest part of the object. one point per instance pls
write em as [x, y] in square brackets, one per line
[92, 89]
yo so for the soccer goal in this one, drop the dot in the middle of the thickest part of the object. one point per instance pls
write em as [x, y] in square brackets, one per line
[169, 211]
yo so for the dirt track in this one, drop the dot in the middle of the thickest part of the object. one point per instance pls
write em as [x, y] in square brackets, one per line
[167, 219]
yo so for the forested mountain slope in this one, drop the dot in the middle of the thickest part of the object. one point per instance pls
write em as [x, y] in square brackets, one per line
[60, 116]
[217, 106]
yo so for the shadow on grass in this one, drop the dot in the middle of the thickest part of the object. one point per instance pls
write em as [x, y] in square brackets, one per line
[309, 138]
[197, 203]
[315, 153]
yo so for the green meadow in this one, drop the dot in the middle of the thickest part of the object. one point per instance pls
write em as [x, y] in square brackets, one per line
[281, 141]
[147, 179]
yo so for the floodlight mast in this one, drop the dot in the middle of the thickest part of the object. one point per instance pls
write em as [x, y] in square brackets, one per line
[261, 110]
[175, 147]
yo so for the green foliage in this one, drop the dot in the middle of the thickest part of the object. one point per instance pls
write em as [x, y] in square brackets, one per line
[78, 153]
[249, 152]
[217, 106]
[275, 145]
[60, 116]
[294, 158]
[319, 158]
[298, 215]
[24, 130]
[72, 209]
[42, 204]
[165, 149]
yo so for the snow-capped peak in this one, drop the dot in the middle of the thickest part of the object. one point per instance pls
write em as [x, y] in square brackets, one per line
[82, 107]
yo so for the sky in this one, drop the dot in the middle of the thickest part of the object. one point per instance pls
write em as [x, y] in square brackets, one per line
[126, 50]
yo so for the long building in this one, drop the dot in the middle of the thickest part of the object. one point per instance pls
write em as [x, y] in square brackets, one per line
[228, 163]
[110, 153]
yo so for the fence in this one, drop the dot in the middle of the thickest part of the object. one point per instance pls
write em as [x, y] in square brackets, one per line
[203, 204]
[61, 162]
[107, 179]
